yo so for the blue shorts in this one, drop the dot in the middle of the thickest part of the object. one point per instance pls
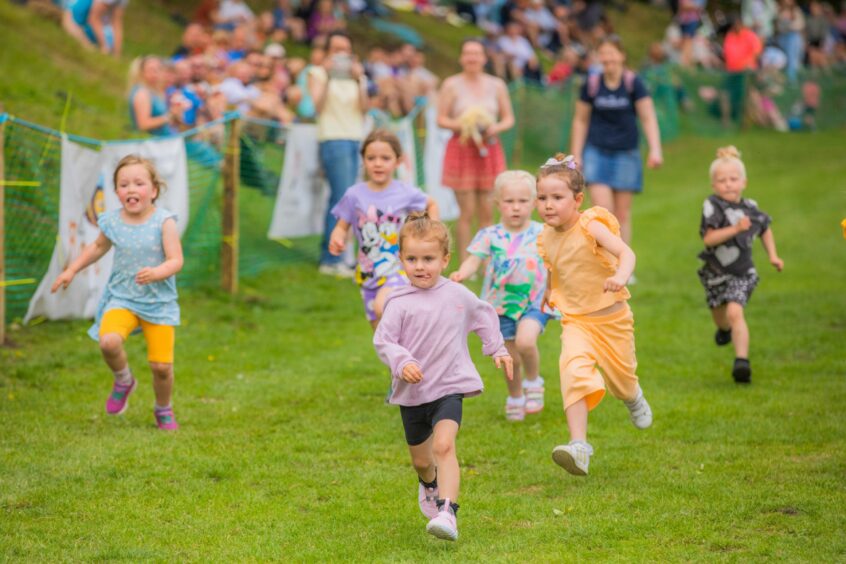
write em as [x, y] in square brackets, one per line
[508, 326]
[621, 170]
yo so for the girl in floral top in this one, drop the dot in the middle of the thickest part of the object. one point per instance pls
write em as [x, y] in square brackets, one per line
[515, 280]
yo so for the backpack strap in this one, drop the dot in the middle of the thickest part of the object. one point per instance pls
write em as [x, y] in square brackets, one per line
[629, 80]
[593, 85]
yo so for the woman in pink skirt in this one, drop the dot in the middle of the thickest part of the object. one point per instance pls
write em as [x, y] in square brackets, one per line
[470, 167]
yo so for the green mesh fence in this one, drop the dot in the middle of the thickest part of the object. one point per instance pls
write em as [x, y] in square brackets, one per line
[542, 117]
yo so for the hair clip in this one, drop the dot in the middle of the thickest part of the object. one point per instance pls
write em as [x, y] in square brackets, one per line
[569, 161]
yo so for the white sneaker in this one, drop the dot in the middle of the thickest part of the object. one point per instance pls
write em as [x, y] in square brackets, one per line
[639, 411]
[339, 270]
[574, 457]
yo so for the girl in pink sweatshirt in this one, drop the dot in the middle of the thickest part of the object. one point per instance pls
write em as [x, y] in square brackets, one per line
[422, 337]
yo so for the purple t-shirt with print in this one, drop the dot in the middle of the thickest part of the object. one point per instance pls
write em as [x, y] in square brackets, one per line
[376, 217]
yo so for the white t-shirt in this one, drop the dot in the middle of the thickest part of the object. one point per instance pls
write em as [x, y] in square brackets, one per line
[234, 10]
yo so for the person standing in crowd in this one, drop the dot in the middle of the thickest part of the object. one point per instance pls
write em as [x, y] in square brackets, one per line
[790, 25]
[468, 170]
[605, 137]
[338, 89]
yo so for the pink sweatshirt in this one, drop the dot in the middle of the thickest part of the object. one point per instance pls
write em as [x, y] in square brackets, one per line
[430, 327]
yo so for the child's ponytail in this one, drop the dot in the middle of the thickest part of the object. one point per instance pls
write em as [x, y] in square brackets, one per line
[418, 225]
[728, 154]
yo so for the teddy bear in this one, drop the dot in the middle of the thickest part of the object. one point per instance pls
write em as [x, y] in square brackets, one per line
[474, 121]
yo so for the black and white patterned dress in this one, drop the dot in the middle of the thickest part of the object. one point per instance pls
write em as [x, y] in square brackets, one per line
[729, 274]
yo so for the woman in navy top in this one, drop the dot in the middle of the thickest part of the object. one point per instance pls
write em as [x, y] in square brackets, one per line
[605, 136]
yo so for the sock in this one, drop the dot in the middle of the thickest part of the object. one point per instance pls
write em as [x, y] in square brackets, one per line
[536, 383]
[453, 506]
[161, 407]
[123, 376]
[516, 401]
[431, 485]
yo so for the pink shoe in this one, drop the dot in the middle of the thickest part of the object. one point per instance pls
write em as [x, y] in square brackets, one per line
[119, 398]
[165, 419]
[534, 399]
[515, 412]
[444, 526]
[427, 498]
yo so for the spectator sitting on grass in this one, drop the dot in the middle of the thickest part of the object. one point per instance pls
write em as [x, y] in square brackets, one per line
[237, 88]
[195, 41]
[519, 55]
[148, 107]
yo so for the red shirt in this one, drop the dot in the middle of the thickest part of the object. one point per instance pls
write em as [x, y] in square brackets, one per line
[741, 50]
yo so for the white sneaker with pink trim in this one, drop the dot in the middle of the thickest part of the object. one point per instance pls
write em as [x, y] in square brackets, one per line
[444, 526]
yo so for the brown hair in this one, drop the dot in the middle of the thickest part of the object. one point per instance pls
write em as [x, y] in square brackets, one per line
[130, 160]
[418, 225]
[614, 40]
[559, 166]
[384, 136]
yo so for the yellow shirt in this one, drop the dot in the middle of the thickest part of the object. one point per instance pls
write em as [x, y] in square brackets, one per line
[579, 266]
[341, 116]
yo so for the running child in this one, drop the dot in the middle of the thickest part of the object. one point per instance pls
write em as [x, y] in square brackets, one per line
[376, 210]
[589, 265]
[422, 337]
[515, 282]
[141, 290]
[728, 228]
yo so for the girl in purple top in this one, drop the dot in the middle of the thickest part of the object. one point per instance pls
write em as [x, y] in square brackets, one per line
[422, 337]
[375, 210]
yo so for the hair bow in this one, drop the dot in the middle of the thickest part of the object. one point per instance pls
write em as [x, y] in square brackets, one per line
[569, 161]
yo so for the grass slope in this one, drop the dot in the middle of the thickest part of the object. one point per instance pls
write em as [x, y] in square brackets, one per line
[287, 453]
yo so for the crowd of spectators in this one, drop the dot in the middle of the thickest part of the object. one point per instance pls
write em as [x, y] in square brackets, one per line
[232, 58]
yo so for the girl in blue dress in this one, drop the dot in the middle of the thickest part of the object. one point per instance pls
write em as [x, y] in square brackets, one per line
[141, 291]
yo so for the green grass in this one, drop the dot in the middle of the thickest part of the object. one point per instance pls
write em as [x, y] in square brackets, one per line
[286, 451]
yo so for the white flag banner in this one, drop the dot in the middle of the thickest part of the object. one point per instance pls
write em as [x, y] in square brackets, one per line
[407, 170]
[433, 159]
[86, 190]
[303, 192]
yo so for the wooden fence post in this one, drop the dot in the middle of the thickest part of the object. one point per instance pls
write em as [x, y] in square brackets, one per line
[2, 233]
[231, 178]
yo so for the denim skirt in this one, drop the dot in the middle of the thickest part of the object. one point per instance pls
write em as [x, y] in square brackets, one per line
[621, 170]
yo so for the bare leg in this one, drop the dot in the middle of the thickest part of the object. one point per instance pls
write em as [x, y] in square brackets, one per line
[720, 317]
[466, 200]
[379, 304]
[111, 345]
[622, 210]
[527, 348]
[443, 449]
[577, 419]
[739, 330]
[423, 460]
[162, 382]
[602, 195]
[515, 386]
[484, 208]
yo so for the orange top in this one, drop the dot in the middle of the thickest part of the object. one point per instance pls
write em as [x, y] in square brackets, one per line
[579, 266]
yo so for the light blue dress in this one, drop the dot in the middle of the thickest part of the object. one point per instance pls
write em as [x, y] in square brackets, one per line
[137, 247]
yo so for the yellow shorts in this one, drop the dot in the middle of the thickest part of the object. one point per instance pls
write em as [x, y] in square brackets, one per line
[160, 338]
[589, 343]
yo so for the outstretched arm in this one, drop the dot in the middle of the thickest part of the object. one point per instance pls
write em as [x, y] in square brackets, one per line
[90, 254]
[768, 240]
[617, 247]
[470, 265]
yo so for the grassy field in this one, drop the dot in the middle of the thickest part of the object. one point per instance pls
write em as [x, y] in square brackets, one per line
[287, 452]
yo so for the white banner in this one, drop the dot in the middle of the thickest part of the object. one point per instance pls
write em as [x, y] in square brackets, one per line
[86, 190]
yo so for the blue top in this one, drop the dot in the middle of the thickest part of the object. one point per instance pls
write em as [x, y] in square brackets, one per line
[613, 117]
[137, 247]
[158, 107]
[189, 116]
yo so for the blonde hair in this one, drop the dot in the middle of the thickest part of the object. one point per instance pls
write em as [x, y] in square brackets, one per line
[418, 225]
[510, 177]
[155, 179]
[726, 155]
[564, 167]
[136, 69]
